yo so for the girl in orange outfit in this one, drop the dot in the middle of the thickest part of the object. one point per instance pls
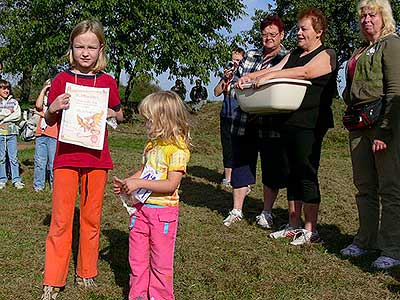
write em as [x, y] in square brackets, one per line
[77, 167]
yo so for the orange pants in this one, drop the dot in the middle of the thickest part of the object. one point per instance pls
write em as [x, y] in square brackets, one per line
[59, 240]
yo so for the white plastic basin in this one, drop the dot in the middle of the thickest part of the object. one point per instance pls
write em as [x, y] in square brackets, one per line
[280, 95]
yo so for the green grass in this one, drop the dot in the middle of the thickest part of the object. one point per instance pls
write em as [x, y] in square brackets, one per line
[211, 261]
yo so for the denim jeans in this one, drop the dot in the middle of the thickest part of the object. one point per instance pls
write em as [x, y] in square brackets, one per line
[8, 145]
[45, 148]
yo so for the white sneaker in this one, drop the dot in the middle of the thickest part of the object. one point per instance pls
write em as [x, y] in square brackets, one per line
[226, 183]
[85, 282]
[50, 292]
[303, 236]
[19, 185]
[235, 215]
[353, 251]
[2, 185]
[265, 219]
[286, 231]
[385, 262]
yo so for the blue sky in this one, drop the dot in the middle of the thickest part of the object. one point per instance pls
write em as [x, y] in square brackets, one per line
[240, 25]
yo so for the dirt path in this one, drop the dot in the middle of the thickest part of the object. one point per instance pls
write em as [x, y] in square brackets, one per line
[26, 145]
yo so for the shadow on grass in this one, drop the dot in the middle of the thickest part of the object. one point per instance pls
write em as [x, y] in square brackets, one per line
[116, 254]
[202, 172]
[28, 162]
[334, 241]
[364, 263]
[395, 288]
[218, 199]
[25, 163]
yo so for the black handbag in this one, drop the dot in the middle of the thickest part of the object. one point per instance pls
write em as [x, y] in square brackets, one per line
[362, 116]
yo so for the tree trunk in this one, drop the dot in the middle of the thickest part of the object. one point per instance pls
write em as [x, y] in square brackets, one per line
[26, 83]
[117, 74]
[128, 88]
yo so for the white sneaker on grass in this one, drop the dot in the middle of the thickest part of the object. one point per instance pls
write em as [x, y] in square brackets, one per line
[353, 251]
[265, 219]
[19, 185]
[385, 262]
[2, 185]
[85, 282]
[286, 231]
[50, 293]
[226, 183]
[235, 215]
[303, 236]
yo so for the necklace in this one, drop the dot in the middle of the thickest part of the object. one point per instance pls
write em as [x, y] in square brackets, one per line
[94, 80]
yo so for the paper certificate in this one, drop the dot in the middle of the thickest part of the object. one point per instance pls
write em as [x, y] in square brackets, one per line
[150, 174]
[84, 122]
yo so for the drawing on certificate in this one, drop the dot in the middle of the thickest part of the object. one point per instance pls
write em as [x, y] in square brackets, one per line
[84, 122]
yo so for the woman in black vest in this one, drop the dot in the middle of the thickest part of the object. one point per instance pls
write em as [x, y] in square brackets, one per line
[301, 137]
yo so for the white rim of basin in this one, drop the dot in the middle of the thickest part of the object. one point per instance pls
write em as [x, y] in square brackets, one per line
[279, 80]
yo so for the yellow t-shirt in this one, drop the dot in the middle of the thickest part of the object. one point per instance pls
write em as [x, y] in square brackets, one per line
[164, 158]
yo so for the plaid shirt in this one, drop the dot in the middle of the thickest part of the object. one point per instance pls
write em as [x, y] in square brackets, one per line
[252, 62]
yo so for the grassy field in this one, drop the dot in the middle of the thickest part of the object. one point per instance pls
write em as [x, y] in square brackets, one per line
[211, 261]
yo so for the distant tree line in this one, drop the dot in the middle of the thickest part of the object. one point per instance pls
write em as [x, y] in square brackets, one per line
[144, 37]
[148, 37]
[343, 32]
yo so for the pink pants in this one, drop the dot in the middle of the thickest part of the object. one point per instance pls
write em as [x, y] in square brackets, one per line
[151, 252]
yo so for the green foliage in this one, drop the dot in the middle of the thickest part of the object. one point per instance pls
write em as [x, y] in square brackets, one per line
[343, 30]
[141, 89]
[143, 37]
[16, 91]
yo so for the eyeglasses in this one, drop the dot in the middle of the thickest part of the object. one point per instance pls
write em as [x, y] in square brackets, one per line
[4, 88]
[269, 35]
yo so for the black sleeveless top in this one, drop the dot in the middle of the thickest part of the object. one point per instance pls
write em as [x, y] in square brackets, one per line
[318, 97]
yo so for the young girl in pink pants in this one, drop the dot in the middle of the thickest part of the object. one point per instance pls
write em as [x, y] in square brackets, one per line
[154, 224]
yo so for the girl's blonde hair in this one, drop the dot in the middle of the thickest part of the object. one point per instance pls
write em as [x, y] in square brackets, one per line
[97, 29]
[383, 7]
[167, 118]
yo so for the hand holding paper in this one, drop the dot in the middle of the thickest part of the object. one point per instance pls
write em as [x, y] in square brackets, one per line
[127, 200]
[130, 185]
[117, 185]
[61, 102]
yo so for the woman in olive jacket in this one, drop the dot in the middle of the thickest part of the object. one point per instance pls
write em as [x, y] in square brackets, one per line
[373, 73]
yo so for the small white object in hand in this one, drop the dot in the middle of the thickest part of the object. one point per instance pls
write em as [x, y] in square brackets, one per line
[125, 199]
[112, 122]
